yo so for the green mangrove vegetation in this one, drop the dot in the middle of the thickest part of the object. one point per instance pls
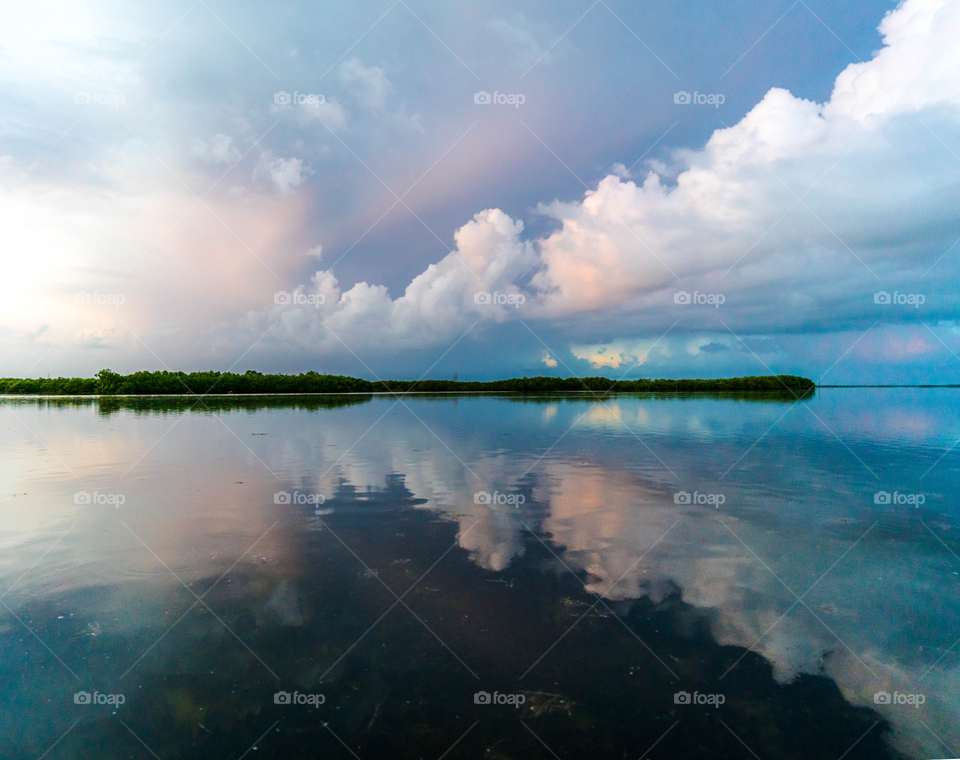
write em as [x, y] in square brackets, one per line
[109, 383]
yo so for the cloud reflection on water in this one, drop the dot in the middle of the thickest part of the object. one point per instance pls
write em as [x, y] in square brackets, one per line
[797, 501]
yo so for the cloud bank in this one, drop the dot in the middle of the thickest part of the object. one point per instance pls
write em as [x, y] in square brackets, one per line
[798, 214]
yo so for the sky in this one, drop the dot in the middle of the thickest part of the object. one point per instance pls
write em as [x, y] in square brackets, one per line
[415, 189]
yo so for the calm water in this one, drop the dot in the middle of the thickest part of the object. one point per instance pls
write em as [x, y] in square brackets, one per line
[187, 602]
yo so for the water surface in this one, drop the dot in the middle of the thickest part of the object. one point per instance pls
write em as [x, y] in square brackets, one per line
[585, 596]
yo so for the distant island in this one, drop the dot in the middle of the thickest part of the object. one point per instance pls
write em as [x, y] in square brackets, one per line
[109, 383]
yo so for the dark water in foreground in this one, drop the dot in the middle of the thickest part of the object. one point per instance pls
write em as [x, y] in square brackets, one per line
[145, 560]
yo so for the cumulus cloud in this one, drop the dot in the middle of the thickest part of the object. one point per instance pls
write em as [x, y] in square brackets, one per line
[285, 173]
[317, 108]
[825, 197]
[603, 356]
[438, 305]
[369, 84]
[797, 213]
[220, 150]
[32, 336]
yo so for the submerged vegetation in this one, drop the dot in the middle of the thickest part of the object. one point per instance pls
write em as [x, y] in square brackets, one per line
[110, 383]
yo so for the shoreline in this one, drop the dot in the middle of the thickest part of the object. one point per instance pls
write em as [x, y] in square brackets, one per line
[798, 392]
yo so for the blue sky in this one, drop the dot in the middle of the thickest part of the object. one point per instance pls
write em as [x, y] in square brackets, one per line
[165, 206]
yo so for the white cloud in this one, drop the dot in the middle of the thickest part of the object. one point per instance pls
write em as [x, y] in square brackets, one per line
[518, 35]
[220, 150]
[32, 336]
[412, 121]
[867, 192]
[919, 65]
[613, 355]
[329, 112]
[369, 84]
[437, 306]
[868, 166]
[286, 173]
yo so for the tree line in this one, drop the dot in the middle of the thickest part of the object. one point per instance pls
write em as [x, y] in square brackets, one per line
[111, 383]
